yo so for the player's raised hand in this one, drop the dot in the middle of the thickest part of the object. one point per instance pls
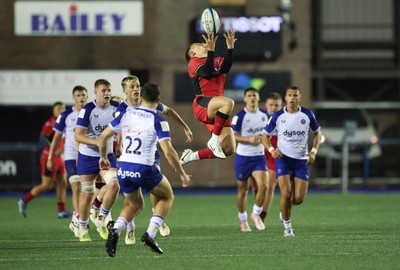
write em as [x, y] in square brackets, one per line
[210, 41]
[230, 39]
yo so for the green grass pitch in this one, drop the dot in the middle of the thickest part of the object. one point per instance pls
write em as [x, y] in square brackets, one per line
[333, 231]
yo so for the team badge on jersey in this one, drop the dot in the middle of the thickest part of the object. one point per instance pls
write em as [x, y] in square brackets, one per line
[164, 126]
[82, 113]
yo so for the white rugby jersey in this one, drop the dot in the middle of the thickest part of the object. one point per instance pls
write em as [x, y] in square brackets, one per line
[65, 124]
[124, 105]
[292, 131]
[246, 124]
[141, 129]
[95, 119]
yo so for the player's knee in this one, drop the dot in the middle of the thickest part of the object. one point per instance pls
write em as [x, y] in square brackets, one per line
[228, 148]
[229, 151]
[229, 103]
[242, 190]
[169, 201]
[270, 190]
[168, 198]
[74, 179]
[297, 200]
[110, 176]
[134, 207]
[88, 187]
[47, 186]
[262, 188]
[286, 195]
[170, 195]
[113, 187]
[255, 190]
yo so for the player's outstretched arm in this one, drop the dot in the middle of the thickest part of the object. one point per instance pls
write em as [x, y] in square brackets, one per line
[230, 44]
[177, 118]
[173, 160]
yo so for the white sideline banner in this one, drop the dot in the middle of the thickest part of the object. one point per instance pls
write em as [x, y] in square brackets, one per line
[44, 87]
[78, 18]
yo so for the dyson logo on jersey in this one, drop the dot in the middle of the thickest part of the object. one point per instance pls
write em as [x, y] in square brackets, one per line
[130, 174]
[100, 127]
[255, 130]
[294, 133]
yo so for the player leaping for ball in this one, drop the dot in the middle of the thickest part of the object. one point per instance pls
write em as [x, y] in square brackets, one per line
[210, 106]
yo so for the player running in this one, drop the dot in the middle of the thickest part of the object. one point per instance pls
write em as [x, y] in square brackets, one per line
[292, 125]
[65, 126]
[141, 129]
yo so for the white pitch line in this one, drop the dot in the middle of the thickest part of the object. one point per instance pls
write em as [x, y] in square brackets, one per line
[193, 256]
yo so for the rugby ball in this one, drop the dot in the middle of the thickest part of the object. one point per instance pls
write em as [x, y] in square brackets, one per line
[210, 21]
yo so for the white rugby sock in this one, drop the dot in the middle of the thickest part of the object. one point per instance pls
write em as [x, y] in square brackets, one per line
[120, 224]
[155, 224]
[257, 210]
[287, 224]
[242, 216]
[131, 225]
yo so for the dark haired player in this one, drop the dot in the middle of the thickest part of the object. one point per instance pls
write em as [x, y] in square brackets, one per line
[210, 106]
